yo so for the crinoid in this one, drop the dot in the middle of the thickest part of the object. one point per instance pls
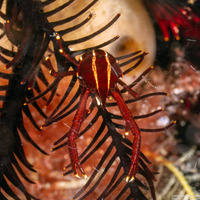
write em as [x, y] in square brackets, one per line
[35, 40]
[176, 18]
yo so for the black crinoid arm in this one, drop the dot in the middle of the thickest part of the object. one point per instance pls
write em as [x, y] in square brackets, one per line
[30, 41]
[20, 32]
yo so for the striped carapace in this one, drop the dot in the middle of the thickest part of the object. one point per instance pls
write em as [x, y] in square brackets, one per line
[99, 71]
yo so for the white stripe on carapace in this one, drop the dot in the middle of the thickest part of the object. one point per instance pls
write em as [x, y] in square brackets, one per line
[108, 71]
[94, 69]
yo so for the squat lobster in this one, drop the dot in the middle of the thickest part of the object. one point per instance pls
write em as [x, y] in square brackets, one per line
[99, 73]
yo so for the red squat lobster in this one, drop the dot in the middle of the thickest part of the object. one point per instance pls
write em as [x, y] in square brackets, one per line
[99, 72]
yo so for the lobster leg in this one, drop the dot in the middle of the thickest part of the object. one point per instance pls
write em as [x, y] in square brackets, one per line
[62, 51]
[132, 92]
[130, 122]
[49, 66]
[73, 134]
